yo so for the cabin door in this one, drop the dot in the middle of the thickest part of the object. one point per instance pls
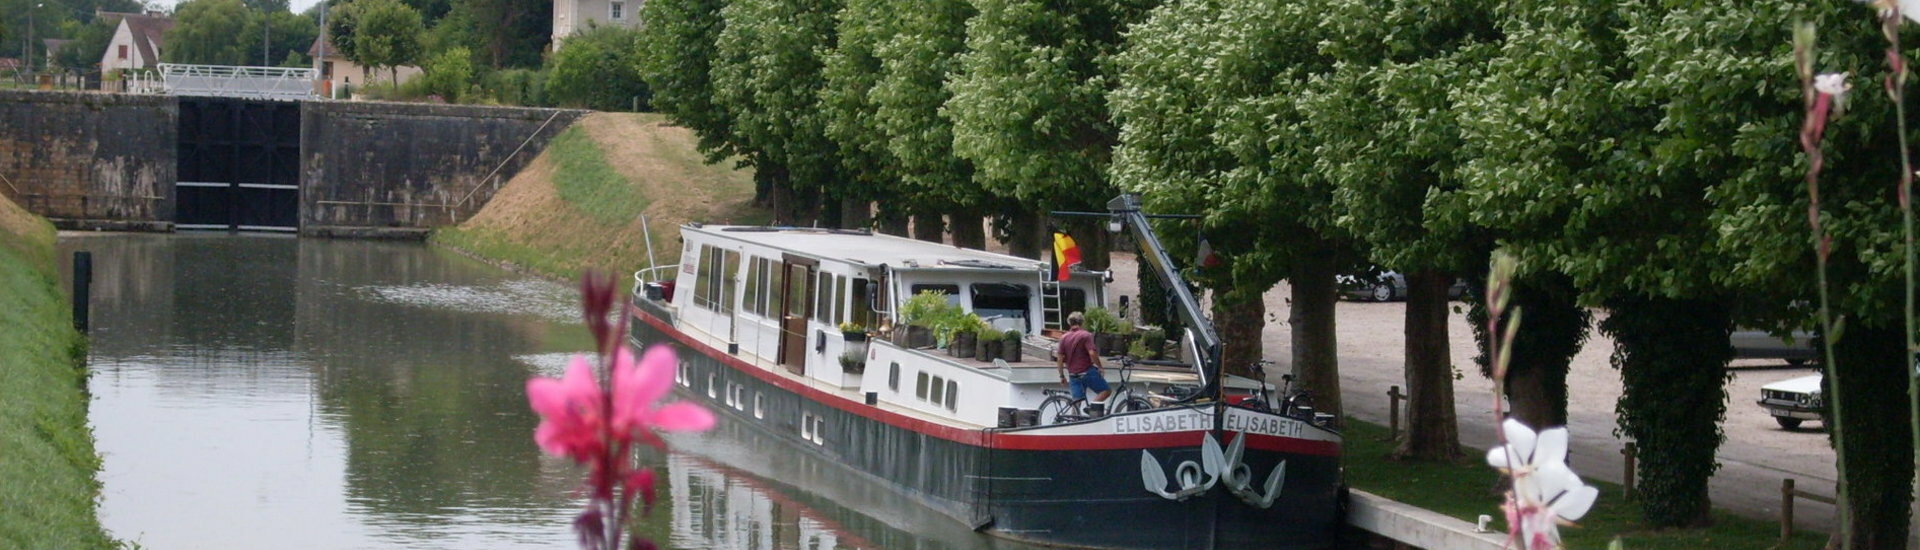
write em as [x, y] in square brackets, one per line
[797, 276]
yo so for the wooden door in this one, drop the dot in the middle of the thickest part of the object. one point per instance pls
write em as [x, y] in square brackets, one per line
[797, 279]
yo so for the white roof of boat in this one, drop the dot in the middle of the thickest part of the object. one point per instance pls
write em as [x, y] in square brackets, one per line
[867, 248]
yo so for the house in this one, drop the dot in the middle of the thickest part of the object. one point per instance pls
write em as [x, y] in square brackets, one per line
[52, 47]
[339, 73]
[572, 16]
[137, 41]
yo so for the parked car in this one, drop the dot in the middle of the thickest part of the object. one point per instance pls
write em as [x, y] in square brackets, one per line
[1796, 349]
[1793, 401]
[1385, 287]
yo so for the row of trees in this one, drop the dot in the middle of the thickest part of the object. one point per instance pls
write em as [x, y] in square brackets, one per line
[1638, 156]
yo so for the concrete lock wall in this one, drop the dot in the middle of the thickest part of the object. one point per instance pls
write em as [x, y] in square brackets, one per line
[90, 161]
[396, 169]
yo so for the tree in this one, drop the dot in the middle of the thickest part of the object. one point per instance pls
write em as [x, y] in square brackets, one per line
[676, 59]
[84, 52]
[852, 70]
[386, 34]
[767, 75]
[1029, 104]
[289, 33]
[449, 74]
[506, 33]
[1390, 144]
[918, 52]
[207, 32]
[594, 69]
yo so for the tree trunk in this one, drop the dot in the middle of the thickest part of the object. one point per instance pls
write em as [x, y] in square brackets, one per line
[830, 213]
[1028, 235]
[1555, 328]
[856, 213]
[1432, 431]
[1239, 315]
[1316, 357]
[893, 219]
[1096, 246]
[967, 226]
[1672, 356]
[1879, 447]
[782, 203]
[929, 227]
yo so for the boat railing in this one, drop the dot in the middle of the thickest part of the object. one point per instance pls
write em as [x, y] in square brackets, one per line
[642, 277]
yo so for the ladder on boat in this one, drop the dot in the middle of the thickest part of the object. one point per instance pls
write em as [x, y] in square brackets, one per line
[1050, 304]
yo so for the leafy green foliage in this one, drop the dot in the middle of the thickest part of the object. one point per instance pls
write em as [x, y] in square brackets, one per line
[1879, 447]
[768, 76]
[386, 34]
[1672, 356]
[594, 69]
[206, 32]
[918, 49]
[676, 59]
[501, 33]
[449, 74]
[851, 71]
[525, 87]
[1098, 319]
[89, 41]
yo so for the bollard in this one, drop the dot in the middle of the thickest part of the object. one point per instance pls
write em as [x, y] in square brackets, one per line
[1786, 509]
[1393, 413]
[1631, 452]
[82, 288]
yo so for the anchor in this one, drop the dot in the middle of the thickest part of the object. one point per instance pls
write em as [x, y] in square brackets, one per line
[1213, 465]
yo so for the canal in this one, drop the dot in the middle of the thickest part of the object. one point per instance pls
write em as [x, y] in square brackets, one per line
[274, 392]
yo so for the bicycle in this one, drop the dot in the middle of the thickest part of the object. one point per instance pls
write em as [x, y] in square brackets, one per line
[1060, 406]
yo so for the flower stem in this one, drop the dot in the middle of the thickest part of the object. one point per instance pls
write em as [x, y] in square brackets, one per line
[1897, 90]
[1817, 106]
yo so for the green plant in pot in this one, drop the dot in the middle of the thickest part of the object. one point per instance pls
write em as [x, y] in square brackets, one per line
[1110, 333]
[853, 332]
[962, 335]
[1153, 343]
[1010, 346]
[922, 317]
[986, 342]
[853, 363]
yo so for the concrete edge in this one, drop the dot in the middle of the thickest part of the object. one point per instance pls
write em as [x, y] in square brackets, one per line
[348, 232]
[70, 224]
[1418, 526]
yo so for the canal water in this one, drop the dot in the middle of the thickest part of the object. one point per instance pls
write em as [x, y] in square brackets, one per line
[258, 391]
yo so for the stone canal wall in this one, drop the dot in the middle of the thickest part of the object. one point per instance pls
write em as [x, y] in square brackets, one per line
[111, 161]
[396, 169]
[90, 161]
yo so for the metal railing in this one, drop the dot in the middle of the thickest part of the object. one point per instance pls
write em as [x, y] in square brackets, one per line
[286, 83]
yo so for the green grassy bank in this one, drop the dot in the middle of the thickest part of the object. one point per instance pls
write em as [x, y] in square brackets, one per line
[1467, 489]
[48, 467]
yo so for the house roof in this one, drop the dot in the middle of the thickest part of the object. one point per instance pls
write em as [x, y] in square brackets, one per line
[53, 45]
[149, 33]
[321, 43]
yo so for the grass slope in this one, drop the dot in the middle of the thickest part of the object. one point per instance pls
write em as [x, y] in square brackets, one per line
[578, 205]
[48, 467]
[1468, 489]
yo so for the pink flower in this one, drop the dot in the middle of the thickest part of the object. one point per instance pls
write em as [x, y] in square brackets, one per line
[572, 413]
[636, 388]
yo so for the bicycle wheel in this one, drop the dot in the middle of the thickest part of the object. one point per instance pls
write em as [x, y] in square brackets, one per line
[1053, 408]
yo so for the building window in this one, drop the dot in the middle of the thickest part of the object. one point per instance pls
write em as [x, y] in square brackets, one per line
[123, 52]
[616, 10]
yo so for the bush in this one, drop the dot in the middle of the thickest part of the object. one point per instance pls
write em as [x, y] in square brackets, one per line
[1102, 321]
[524, 87]
[449, 74]
[594, 69]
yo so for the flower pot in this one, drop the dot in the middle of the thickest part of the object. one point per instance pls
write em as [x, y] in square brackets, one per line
[854, 336]
[962, 345]
[985, 349]
[1010, 350]
[912, 337]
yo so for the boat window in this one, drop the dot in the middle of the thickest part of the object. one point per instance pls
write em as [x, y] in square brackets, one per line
[714, 287]
[939, 392]
[1005, 301]
[953, 394]
[759, 405]
[765, 296]
[730, 281]
[920, 389]
[952, 291]
[713, 390]
[750, 296]
[702, 284]
[839, 299]
[799, 287]
[893, 377]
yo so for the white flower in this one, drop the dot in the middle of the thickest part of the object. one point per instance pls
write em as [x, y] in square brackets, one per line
[1833, 84]
[1545, 491]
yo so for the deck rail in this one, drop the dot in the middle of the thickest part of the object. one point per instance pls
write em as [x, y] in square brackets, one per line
[281, 83]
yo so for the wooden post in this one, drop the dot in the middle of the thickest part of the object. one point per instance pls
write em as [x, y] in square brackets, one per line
[1393, 412]
[1786, 509]
[1631, 452]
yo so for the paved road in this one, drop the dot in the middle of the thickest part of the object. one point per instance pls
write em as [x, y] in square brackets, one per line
[1755, 457]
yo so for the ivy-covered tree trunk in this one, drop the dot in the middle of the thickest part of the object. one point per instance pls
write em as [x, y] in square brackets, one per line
[1026, 233]
[1316, 357]
[1672, 356]
[967, 228]
[1096, 246]
[1239, 315]
[929, 227]
[1879, 453]
[1554, 327]
[1432, 430]
[893, 219]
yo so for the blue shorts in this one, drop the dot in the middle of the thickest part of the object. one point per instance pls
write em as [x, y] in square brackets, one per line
[1080, 383]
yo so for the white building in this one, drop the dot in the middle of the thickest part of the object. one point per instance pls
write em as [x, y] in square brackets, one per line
[136, 42]
[341, 73]
[572, 16]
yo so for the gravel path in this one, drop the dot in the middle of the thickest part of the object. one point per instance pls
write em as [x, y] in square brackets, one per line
[1755, 457]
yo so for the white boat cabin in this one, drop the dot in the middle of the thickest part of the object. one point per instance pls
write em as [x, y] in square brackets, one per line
[777, 297]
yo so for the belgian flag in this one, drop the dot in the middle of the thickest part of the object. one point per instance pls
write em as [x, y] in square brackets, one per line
[1065, 254]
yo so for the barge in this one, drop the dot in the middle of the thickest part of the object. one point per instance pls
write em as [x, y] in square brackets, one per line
[1202, 460]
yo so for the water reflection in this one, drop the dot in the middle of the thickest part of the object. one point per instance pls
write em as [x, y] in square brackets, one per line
[266, 391]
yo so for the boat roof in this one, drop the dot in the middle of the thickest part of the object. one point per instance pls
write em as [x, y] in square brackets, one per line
[867, 248]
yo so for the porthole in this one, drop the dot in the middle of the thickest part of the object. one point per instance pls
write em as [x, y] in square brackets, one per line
[806, 426]
[819, 430]
[759, 405]
[713, 386]
[739, 397]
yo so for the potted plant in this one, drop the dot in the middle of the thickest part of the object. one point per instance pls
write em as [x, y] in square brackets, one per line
[1110, 334]
[1153, 342]
[853, 332]
[986, 342]
[961, 335]
[1010, 346]
[921, 316]
[853, 363]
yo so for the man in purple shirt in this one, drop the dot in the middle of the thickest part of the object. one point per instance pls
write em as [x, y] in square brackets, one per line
[1079, 365]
